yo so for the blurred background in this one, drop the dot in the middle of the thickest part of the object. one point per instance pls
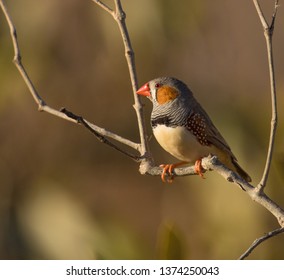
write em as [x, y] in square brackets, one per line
[64, 195]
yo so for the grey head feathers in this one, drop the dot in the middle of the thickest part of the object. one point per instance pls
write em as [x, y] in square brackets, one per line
[174, 112]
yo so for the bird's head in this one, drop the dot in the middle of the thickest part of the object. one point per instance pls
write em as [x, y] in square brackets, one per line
[164, 91]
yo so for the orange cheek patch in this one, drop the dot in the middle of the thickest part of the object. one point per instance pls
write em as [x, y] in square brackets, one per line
[166, 94]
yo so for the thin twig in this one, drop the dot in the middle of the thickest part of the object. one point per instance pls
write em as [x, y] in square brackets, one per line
[120, 17]
[99, 136]
[268, 33]
[104, 6]
[17, 58]
[258, 241]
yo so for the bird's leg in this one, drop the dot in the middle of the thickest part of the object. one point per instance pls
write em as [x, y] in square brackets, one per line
[166, 168]
[198, 168]
[168, 171]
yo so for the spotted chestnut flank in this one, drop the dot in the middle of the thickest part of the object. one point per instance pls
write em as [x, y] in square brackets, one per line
[197, 126]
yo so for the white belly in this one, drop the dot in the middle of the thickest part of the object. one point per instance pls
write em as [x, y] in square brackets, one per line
[180, 143]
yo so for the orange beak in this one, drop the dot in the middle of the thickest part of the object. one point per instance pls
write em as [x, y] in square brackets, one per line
[144, 90]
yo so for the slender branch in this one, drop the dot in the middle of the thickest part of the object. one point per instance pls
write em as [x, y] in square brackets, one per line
[96, 129]
[260, 14]
[120, 16]
[259, 241]
[17, 58]
[268, 33]
[104, 6]
[99, 136]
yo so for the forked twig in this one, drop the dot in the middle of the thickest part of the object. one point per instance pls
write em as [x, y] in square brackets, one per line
[104, 6]
[99, 136]
[268, 33]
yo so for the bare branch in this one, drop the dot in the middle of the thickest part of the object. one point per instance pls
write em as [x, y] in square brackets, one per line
[104, 6]
[17, 58]
[268, 33]
[258, 241]
[100, 136]
[260, 14]
[276, 6]
[120, 16]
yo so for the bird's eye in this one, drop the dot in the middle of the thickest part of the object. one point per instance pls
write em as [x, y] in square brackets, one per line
[157, 85]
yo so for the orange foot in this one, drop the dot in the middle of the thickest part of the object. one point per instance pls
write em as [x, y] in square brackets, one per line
[168, 171]
[198, 168]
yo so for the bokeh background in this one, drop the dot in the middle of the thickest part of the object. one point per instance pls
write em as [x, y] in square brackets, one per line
[64, 195]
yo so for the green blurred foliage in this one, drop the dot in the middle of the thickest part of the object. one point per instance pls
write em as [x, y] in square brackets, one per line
[64, 195]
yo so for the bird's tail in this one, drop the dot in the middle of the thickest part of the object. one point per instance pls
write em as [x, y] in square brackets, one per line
[241, 172]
